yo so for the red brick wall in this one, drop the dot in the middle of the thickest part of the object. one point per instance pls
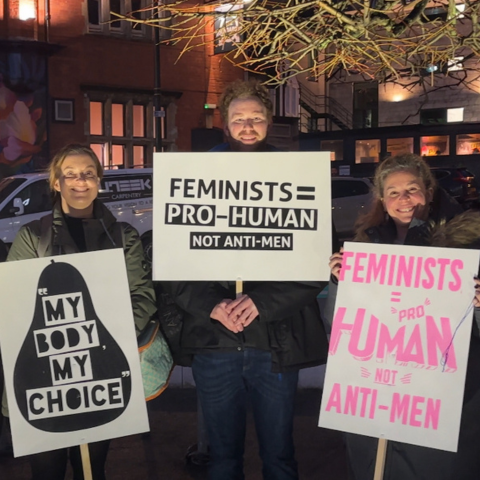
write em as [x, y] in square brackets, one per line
[100, 60]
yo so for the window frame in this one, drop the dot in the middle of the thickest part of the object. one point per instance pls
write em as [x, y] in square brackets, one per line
[128, 140]
[126, 28]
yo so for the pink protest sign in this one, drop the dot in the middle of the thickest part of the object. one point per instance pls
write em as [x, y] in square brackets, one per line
[399, 343]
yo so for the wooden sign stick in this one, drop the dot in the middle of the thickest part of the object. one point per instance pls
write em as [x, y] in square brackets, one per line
[238, 287]
[87, 467]
[380, 462]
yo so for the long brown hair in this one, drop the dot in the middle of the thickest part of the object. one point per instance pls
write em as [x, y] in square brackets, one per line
[399, 163]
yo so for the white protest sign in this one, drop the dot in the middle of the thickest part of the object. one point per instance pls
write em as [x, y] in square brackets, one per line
[69, 351]
[399, 343]
[254, 216]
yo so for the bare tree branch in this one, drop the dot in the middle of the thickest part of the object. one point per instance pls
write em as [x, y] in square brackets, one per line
[386, 40]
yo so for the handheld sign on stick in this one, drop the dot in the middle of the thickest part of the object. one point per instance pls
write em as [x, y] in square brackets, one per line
[380, 460]
[230, 214]
[86, 465]
[72, 370]
[396, 367]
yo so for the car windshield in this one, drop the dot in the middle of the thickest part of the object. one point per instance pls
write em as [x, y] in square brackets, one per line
[9, 185]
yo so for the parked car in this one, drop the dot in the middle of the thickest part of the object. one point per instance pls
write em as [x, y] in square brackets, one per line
[351, 197]
[460, 183]
[127, 193]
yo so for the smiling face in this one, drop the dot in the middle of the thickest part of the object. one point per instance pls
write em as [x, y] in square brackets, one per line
[78, 185]
[402, 192]
[247, 124]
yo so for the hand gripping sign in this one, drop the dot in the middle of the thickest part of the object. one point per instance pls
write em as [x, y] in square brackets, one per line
[72, 373]
[399, 343]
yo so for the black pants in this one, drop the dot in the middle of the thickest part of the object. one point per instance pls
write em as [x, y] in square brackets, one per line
[53, 465]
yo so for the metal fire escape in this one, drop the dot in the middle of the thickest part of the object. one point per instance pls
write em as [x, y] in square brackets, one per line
[318, 107]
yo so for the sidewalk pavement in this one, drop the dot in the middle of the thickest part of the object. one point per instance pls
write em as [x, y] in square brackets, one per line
[160, 454]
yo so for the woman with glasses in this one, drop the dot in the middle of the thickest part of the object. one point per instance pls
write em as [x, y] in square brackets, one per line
[81, 223]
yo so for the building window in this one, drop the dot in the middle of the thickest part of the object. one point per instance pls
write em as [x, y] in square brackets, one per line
[434, 145]
[365, 105]
[397, 146]
[454, 115]
[468, 144]
[456, 64]
[367, 151]
[119, 132]
[335, 147]
[433, 116]
[102, 19]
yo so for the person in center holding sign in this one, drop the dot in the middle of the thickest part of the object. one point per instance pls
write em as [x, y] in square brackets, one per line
[409, 209]
[81, 223]
[246, 111]
[253, 345]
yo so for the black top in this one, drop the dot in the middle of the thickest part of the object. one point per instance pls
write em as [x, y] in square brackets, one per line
[76, 231]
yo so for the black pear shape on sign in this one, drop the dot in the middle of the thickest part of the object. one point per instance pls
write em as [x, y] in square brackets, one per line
[108, 364]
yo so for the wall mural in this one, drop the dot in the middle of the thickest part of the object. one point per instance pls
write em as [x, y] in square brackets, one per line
[23, 113]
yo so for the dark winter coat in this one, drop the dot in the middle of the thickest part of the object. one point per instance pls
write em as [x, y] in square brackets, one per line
[411, 462]
[101, 233]
[288, 325]
[226, 147]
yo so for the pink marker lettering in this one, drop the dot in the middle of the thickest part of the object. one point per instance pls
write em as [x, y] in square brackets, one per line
[373, 404]
[345, 265]
[441, 341]
[405, 271]
[357, 268]
[351, 400]
[337, 327]
[365, 394]
[457, 283]
[353, 345]
[391, 273]
[415, 411]
[433, 413]
[376, 268]
[428, 265]
[413, 352]
[441, 274]
[334, 401]
[418, 271]
[387, 344]
[399, 407]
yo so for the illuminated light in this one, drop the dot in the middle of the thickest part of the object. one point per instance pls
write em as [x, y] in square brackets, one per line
[432, 68]
[26, 10]
[454, 115]
[397, 98]
[455, 64]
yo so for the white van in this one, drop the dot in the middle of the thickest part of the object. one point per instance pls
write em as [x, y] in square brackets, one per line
[127, 193]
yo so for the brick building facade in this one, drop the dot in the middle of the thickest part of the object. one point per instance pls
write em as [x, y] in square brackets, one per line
[68, 75]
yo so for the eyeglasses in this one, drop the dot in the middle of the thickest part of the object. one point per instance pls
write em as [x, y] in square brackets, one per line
[86, 176]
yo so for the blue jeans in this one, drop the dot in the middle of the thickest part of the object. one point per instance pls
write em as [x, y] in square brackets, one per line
[224, 381]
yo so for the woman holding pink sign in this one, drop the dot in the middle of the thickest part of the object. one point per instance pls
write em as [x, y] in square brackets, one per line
[409, 209]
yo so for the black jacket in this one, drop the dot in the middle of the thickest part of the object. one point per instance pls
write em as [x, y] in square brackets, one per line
[288, 325]
[100, 234]
[412, 462]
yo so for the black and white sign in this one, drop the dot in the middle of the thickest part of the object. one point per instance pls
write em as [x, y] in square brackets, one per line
[254, 216]
[69, 351]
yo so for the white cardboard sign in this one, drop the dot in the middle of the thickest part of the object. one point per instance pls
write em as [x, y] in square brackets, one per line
[399, 343]
[69, 351]
[253, 216]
